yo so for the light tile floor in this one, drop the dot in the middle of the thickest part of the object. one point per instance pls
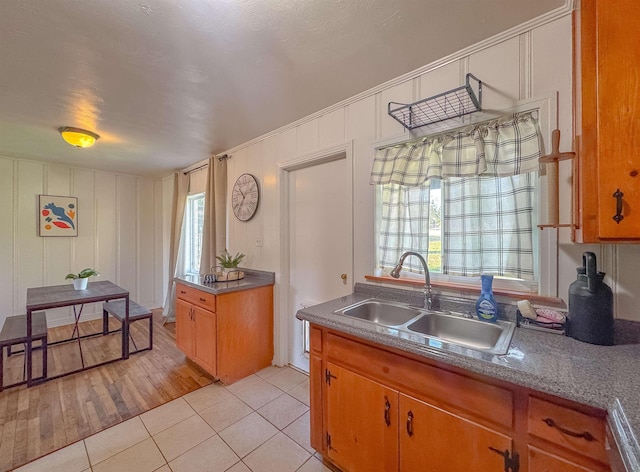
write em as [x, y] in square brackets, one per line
[259, 424]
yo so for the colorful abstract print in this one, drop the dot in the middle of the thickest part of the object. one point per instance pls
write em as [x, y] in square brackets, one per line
[58, 215]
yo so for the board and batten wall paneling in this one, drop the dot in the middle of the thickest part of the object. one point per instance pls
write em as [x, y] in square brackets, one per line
[127, 237]
[436, 81]
[361, 128]
[168, 189]
[499, 69]
[237, 166]
[624, 280]
[145, 241]
[253, 228]
[307, 138]
[7, 236]
[532, 60]
[29, 247]
[333, 129]
[119, 233]
[106, 226]
[270, 202]
[387, 126]
[59, 252]
[158, 232]
[84, 254]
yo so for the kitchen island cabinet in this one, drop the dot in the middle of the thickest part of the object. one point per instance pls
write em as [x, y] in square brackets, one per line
[229, 333]
[607, 119]
[373, 408]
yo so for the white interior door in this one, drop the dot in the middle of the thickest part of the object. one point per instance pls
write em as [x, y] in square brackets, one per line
[320, 237]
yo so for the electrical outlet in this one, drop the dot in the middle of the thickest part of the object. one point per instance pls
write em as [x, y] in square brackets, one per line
[259, 241]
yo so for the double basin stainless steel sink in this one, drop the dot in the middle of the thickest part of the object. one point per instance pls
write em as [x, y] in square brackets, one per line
[443, 327]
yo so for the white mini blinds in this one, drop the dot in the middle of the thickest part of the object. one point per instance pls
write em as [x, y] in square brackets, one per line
[503, 147]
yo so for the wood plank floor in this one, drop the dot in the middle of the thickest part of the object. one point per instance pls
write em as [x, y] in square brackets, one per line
[38, 420]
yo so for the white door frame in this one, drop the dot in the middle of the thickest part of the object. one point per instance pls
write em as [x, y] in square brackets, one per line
[282, 321]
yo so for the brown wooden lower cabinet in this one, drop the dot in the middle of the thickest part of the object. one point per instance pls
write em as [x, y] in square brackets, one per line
[362, 422]
[432, 438]
[229, 335]
[196, 334]
[374, 408]
[185, 328]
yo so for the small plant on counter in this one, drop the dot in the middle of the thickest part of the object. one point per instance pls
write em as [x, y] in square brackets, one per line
[227, 261]
[83, 274]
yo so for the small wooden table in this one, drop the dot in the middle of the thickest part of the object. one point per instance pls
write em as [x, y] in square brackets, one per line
[56, 296]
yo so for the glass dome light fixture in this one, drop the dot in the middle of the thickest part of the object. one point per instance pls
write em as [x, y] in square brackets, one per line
[80, 138]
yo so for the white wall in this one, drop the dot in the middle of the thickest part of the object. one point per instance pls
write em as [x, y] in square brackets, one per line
[119, 234]
[532, 60]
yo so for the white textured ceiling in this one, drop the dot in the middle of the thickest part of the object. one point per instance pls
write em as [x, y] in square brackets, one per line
[167, 83]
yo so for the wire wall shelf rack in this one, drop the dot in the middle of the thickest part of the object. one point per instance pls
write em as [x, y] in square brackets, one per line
[444, 106]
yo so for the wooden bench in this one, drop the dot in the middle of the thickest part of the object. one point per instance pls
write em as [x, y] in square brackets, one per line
[136, 313]
[14, 331]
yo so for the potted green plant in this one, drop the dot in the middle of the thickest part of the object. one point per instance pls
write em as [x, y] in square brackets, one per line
[81, 279]
[229, 262]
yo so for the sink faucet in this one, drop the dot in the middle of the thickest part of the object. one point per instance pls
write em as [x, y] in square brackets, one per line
[395, 273]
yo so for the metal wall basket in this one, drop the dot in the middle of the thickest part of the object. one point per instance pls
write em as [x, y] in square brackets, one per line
[444, 106]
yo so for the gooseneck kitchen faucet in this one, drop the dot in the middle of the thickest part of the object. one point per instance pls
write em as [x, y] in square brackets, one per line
[395, 273]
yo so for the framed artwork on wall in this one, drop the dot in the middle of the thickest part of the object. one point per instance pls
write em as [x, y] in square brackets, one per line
[57, 216]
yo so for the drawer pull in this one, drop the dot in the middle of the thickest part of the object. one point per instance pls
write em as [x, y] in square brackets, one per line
[387, 411]
[182, 292]
[203, 299]
[410, 423]
[587, 436]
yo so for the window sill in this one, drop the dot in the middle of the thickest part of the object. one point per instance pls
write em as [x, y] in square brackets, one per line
[470, 290]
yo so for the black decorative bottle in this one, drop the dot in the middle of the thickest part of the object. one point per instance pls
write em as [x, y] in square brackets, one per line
[590, 305]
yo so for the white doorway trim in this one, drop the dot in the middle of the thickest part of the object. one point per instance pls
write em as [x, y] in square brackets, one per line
[282, 321]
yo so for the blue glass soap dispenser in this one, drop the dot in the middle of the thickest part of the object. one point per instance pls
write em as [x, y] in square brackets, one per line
[486, 306]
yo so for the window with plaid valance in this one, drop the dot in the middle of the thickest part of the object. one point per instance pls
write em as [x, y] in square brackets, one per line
[472, 191]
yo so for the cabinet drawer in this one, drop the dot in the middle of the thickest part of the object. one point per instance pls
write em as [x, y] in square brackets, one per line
[544, 461]
[197, 297]
[568, 428]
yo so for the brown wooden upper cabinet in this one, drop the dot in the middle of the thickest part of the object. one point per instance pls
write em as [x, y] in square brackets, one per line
[607, 119]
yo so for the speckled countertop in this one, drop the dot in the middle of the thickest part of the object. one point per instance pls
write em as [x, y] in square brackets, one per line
[606, 377]
[252, 279]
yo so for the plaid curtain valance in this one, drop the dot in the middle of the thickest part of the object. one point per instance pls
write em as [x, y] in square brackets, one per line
[503, 147]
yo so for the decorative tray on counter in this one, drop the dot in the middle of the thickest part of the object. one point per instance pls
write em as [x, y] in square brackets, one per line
[229, 276]
[219, 276]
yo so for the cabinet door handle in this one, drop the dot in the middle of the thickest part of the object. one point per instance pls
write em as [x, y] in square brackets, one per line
[410, 423]
[511, 462]
[618, 217]
[387, 411]
[587, 436]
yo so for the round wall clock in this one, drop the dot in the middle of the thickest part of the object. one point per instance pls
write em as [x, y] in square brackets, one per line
[245, 197]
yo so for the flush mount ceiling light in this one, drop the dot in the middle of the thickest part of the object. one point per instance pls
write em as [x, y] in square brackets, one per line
[80, 138]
